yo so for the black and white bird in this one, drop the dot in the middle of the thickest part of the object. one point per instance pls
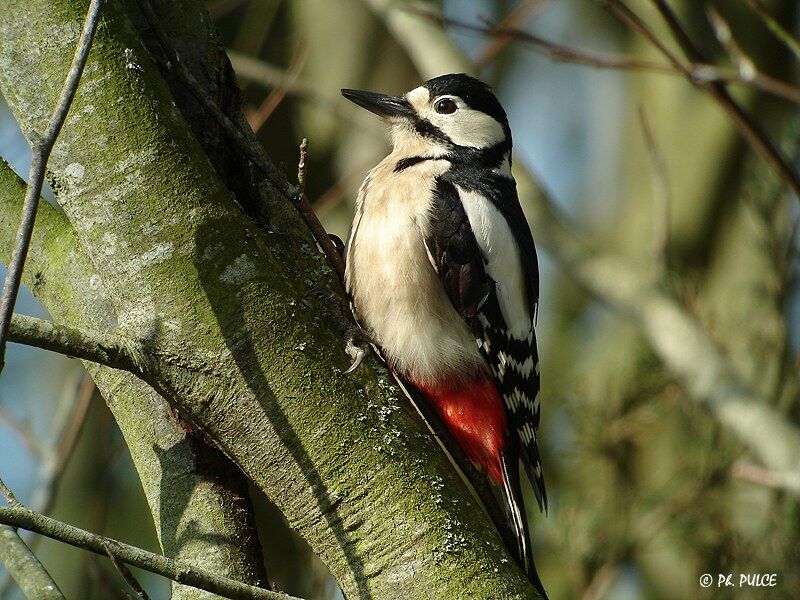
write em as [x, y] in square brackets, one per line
[442, 272]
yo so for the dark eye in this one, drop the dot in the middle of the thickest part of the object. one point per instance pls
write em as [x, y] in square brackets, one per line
[445, 106]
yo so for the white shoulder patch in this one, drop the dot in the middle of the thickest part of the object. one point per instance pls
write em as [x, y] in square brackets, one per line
[503, 261]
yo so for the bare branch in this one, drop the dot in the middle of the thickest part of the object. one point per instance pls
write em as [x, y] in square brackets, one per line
[29, 439]
[302, 166]
[278, 180]
[785, 480]
[699, 73]
[65, 438]
[175, 570]
[269, 76]
[103, 348]
[9, 495]
[24, 568]
[551, 49]
[55, 454]
[776, 28]
[273, 100]
[307, 212]
[661, 194]
[516, 18]
[126, 574]
[751, 131]
[41, 148]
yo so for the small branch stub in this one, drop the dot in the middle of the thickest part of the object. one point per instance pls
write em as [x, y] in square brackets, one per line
[302, 166]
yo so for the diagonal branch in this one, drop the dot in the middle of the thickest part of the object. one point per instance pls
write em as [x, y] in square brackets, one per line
[20, 561]
[24, 568]
[778, 30]
[749, 129]
[700, 73]
[238, 136]
[103, 348]
[41, 153]
[176, 570]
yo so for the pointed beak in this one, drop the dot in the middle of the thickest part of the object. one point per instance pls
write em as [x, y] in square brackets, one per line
[381, 104]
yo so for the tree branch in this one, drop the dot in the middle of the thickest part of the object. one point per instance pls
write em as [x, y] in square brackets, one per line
[778, 30]
[20, 561]
[41, 148]
[198, 498]
[700, 73]
[239, 137]
[748, 128]
[176, 570]
[102, 348]
[25, 569]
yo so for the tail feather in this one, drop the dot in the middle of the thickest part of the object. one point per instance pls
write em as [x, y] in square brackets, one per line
[515, 506]
[533, 468]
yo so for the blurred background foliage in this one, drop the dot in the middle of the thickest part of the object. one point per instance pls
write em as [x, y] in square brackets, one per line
[648, 490]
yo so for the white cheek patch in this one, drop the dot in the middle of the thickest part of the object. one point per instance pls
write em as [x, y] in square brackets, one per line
[465, 127]
[469, 127]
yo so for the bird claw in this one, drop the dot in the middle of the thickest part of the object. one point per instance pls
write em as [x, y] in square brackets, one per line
[356, 346]
[356, 341]
[357, 354]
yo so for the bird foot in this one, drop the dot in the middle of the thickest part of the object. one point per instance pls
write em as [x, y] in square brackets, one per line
[357, 343]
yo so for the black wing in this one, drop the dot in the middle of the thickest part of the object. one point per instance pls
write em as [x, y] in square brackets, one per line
[460, 264]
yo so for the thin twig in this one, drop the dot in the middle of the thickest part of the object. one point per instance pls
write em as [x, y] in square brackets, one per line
[602, 580]
[269, 76]
[746, 69]
[302, 167]
[788, 480]
[748, 128]
[176, 570]
[55, 455]
[551, 49]
[514, 20]
[65, 440]
[775, 27]
[307, 211]
[661, 194]
[21, 563]
[699, 73]
[41, 148]
[9, 495]
[23, 430]
[724, 34]
[276, 96]
[126, 574]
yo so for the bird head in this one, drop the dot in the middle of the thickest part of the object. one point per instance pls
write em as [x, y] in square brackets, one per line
[450, 115]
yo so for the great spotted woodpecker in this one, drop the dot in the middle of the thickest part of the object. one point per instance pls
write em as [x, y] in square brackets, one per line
[442, 272]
